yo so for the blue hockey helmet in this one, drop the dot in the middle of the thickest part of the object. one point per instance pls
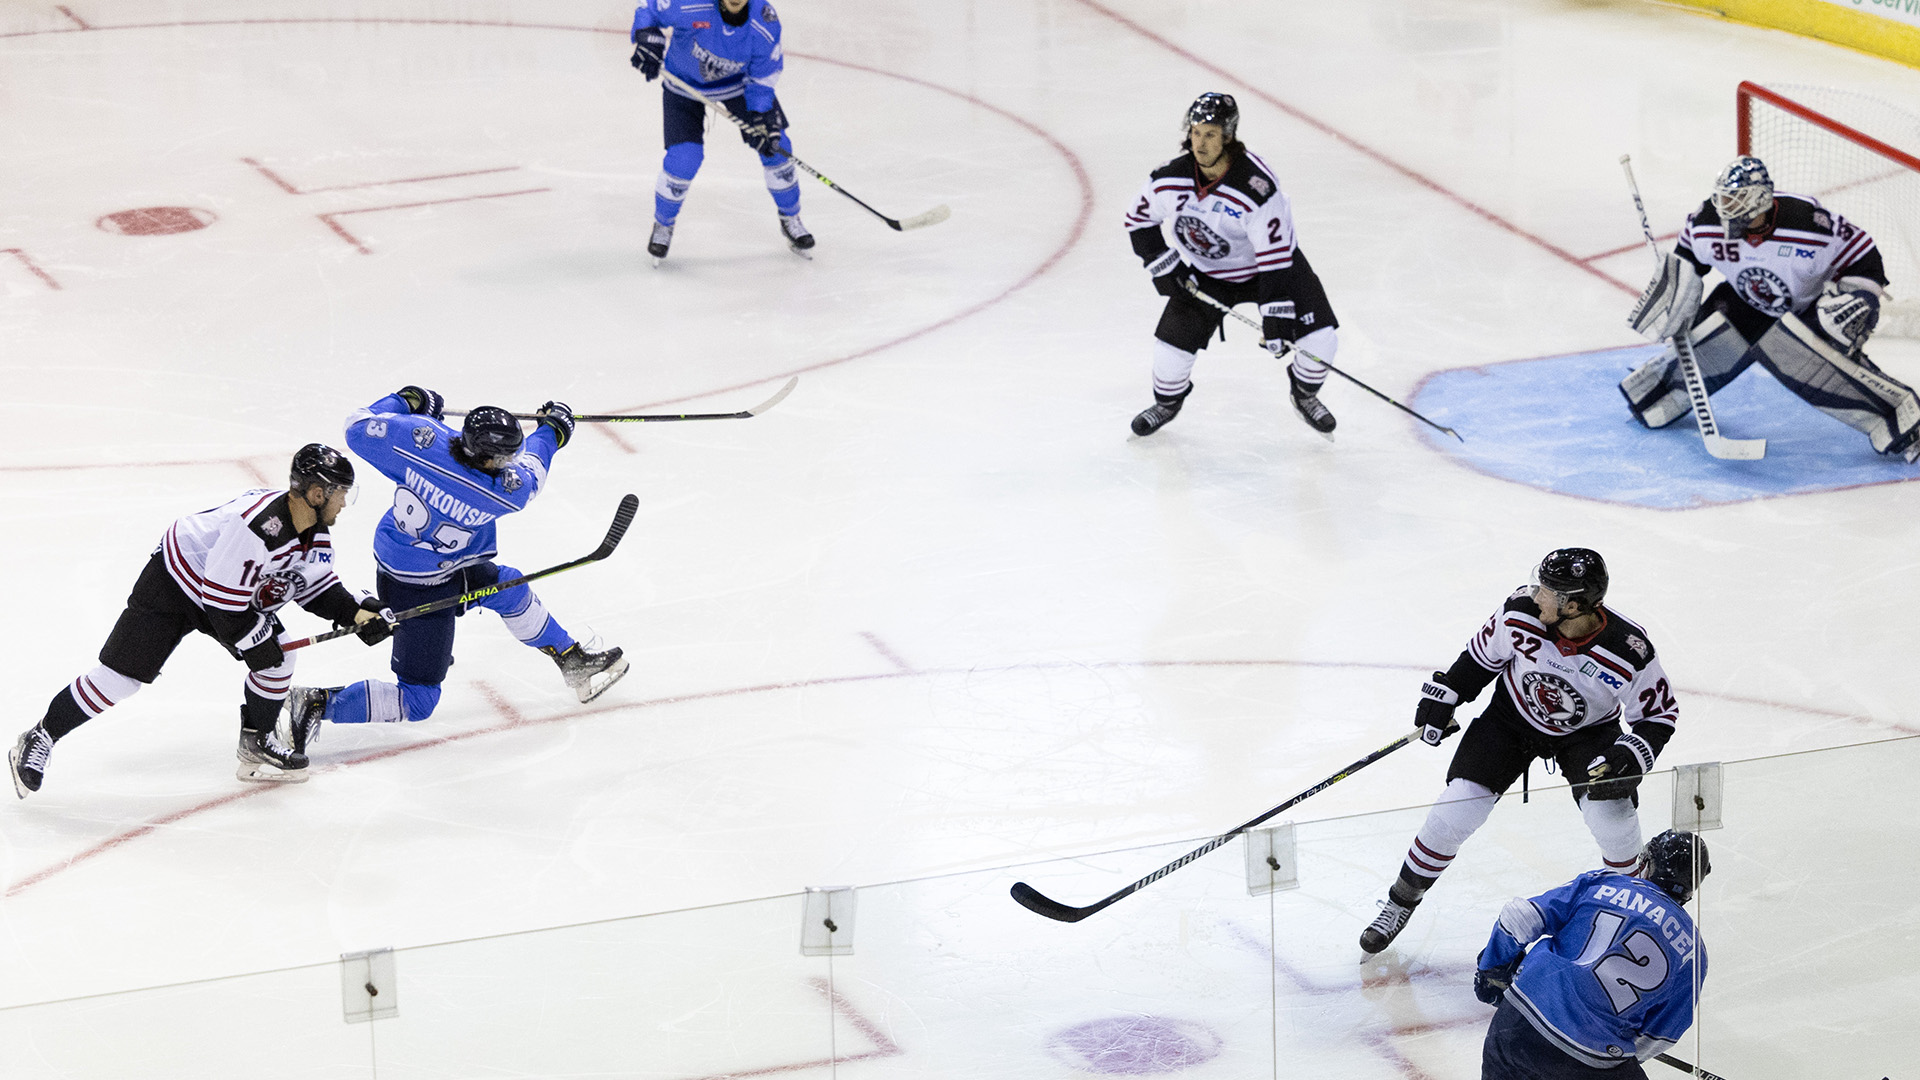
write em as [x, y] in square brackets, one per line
[1677, 862]
[1743, 195]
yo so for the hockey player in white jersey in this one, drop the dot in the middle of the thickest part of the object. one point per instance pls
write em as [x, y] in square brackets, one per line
[1578, 683]
[1233, 239]
[224, 572]
[1801, 295]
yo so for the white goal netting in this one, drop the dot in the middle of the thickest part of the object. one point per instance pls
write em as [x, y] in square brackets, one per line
[1859, 155]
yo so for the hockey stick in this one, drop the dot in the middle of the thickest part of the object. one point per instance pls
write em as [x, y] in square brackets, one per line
[656, 418]
[1718, 445]
[622, 518]
[1030, 898]
[1211, 302]
[1669, 1059]
[919, 221]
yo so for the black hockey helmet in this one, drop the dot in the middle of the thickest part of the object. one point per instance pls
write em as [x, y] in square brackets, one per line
[1214, 108]
[1578, 574]
[490, 437]
[319, 464]
[1672, 859]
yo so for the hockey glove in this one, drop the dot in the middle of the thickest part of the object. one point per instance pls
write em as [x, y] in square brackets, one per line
[1490, 984]
[649, 45]
[1171, 275]
[379, 628]
[1669, 302]
[1434, 715]
[1848, 317]
[556, 415]
[761, 130]
[267, 654]
[1277, 325]
[1616, 773]
[422, 402]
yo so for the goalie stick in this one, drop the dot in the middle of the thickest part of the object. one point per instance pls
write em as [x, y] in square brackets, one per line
[779, 396]
[1210, 301]
[919, 221]
[622, 518]
[1030, 898]
[1718, 445]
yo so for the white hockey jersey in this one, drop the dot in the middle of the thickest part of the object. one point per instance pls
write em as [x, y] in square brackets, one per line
[1808, 246]
[246, 555]
[1560, 686]
[1233, 229]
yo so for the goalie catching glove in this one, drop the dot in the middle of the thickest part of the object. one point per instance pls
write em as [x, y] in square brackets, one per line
[1670, 301]
[1434, 715]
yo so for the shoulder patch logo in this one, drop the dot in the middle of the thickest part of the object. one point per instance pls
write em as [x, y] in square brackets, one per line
[271, 526]
[767, 14]
[1822, 219]
[1259, 184]
[1638, 645]
[510, 480]
[423, 437]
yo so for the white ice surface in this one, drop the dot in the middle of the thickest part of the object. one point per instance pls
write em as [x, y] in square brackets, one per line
[937, 612]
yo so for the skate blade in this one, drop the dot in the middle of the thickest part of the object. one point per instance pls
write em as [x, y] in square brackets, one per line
[656, 260]
[262, 773]
[601, 681]
[802, 252]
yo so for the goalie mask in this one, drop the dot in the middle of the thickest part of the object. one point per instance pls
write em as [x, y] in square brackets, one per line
[1212, 108]
[1743, 196]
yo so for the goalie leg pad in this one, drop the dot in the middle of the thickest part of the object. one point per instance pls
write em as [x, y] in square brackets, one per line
[1849, 389]
[1655, 390]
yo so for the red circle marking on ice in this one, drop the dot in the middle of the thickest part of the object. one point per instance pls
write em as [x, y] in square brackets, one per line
[157, 220]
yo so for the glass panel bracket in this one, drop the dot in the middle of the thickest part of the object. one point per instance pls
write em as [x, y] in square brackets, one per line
[367, 986]
[826, 921]
[1696, 797]
[1270, 861]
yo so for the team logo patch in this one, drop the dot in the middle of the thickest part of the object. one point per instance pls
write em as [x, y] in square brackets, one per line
[271, 526]
[1259, 184]
[1638, 646]
[511, 480]
[714, 68]
[423, 437]
[767, 14]
[1202, 241]
[1764, 289]
[1822, 219]
[1552, 700]
[275, 589]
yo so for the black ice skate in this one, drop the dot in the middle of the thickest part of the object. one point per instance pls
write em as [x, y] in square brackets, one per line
[27, 761]
[265, 758]
[1391, 920]
[798, 238]
[661, 240]
[1163, 409]
[305, 711]
[1306, 402]
[590, 674]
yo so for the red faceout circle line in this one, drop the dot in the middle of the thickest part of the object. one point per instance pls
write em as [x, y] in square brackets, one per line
[513, 720]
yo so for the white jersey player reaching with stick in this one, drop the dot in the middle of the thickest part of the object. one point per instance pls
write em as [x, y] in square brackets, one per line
[1233, 239]
[1802, 294]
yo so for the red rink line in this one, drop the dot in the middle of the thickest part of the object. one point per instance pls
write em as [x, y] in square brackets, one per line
[68, 12]
[514, 720]
[32, 267]
[1363, 149]
[290, 189]
[341, 231]
[883, 1047]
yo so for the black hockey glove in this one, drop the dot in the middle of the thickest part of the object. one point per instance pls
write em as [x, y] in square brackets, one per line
[1490, 984]
[1277, 326]
[649, 45]
[380, 627]
[762, 130]
[556, 415]
[1616, 774]
[1434, 715]
[1171, 274]
[265, 655]
[422, 402]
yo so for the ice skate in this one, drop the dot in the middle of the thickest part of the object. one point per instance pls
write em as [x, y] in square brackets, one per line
[590, 674]
[798, 238]
[1163, 409]
[305, 711]
[265, 758]
[1388, 924]
[1306, 402]
[659, 242]
[27, 761]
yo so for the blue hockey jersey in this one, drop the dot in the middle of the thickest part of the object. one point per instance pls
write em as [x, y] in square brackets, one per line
[443, 512]
[1616, 977]
[719, 60]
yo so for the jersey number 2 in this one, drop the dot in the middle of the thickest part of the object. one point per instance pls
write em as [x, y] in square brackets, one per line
[1638, 966]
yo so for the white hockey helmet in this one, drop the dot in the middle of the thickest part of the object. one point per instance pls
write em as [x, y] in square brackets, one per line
[1742, 195]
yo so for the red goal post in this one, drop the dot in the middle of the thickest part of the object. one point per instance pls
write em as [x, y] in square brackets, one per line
[1858, 155]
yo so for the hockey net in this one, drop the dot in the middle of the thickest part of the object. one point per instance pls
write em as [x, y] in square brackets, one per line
[1855, 153]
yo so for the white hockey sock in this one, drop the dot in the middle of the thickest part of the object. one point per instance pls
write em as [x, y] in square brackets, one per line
[529, 622]
[1460, 811]
[1312, 370]
[1615, 825]
[272, 683]
[1172, 369]
[101, 689]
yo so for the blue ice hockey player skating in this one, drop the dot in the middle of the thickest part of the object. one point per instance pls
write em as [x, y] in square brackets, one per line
[437, 540]
[1615, 982]
[729, 52]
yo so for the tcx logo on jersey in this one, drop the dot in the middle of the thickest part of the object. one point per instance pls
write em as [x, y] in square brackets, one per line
[1594, 671]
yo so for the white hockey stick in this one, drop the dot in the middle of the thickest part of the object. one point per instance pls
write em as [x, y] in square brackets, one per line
[919, 221]
[1718, 445]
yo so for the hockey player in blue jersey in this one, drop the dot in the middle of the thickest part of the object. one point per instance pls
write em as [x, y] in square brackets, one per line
[1613, 984]
[729, 52]
[437, 540]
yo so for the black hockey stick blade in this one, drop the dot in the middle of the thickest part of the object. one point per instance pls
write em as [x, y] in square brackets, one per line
[660, 418]
[622, 519]
[1669, 1059]
[1030, 898]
